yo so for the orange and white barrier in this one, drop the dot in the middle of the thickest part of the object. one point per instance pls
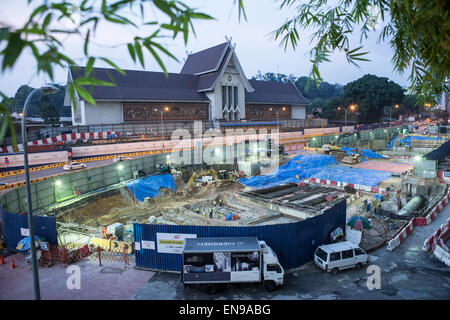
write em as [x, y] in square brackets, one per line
[64, 137]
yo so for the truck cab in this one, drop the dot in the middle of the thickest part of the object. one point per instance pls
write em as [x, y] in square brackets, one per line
[273, 272]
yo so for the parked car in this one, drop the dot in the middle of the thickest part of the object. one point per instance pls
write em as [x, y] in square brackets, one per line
[339, 256]
[120, 158]
[74, 166]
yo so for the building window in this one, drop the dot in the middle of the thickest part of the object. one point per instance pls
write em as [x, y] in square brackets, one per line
[230, 103]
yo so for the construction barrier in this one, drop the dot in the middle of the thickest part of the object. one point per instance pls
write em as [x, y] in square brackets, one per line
[63, 137]
[343, 184]
[436, 243]
[422, 221]
[438, 237]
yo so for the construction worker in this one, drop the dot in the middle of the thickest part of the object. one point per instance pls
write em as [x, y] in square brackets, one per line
[197, 210]
[214, 203]
[204, 211]
[211, 212]
[220, 202]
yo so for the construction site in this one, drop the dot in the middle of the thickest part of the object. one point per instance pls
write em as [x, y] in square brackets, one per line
[385, 179]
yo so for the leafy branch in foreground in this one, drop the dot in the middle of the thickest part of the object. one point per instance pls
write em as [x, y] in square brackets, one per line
[53, 20]
[417, 31]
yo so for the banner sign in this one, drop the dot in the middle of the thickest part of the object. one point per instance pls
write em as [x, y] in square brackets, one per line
[172, 242]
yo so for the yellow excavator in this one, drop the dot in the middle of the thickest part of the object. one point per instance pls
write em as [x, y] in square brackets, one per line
[334, 150]
[195, 175]
[221, 176]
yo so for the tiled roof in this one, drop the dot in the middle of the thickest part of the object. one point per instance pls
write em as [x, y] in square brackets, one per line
[274, 92]
[144, 85]
[205, 60]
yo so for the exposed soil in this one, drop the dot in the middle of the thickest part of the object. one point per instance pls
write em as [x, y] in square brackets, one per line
[119, 207]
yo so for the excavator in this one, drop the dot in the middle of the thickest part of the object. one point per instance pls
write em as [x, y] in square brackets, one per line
[221, 176]
[335, 151]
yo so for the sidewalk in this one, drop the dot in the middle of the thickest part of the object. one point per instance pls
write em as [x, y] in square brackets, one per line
[108, 282]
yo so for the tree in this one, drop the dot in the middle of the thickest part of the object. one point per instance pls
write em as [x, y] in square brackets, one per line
[48, 110]
[52, 20]
[370, 94]
[317, 95]
[277, 77]
[417, 31]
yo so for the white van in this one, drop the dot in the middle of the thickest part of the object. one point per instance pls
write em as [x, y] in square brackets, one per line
[340, 256]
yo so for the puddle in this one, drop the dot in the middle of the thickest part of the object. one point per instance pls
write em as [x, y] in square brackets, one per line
[111, 270]
[399, 277]
[327, 297]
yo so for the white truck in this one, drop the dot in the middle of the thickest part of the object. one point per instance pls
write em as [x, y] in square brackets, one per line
[214, 262]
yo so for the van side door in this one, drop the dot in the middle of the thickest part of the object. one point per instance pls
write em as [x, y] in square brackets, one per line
[348, 259]
[335, 261]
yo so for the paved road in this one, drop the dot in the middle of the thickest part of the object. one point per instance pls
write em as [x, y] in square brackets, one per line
[406, 273]
[55, 171]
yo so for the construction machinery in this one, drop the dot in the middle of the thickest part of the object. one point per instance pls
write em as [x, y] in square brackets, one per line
[195, 175]
[211, 175]
[334, 149]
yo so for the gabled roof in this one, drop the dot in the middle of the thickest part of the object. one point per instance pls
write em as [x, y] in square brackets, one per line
[144, 85]
[207, 60]
[206, 81]
[275, 93]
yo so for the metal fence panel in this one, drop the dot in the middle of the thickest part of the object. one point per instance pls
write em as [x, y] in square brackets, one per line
[12, 225]
[294, 243]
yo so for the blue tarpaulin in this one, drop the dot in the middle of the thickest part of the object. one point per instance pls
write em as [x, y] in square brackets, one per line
[316, 166]
[150, 186]
[365, 153]
[406, 141]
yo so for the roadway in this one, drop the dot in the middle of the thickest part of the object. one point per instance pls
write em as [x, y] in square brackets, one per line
[53, 172]
[406, 273]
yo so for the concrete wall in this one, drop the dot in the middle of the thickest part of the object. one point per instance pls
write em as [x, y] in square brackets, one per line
[235, 81]
[298, 112]
[103, 113]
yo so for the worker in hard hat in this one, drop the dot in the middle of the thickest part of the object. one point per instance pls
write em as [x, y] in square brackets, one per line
[211, 212]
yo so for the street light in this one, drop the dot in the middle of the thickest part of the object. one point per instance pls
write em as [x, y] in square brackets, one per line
[166, 109]
[352, 108]
[48, 89]
[390, 114]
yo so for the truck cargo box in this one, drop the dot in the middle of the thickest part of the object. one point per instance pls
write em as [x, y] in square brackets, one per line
[221, 260]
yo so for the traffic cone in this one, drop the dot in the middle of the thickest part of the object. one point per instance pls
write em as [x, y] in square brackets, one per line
[12, 265]
[2, 260]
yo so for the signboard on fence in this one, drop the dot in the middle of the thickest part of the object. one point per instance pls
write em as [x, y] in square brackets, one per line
[353, 236]
[172, 242]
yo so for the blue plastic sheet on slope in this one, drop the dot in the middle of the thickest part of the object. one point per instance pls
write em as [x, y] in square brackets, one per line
[365, 153]
[406, 141]
[316, 166]
[150, 186]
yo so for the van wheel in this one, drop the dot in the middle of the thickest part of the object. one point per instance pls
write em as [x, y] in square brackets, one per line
[211, 289]
[335, 271]
[270, 285]
[358, 266]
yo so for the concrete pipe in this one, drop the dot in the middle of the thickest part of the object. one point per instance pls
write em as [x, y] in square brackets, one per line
[412, 206]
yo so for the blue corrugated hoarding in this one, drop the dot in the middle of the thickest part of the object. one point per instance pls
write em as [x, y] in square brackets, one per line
[13, 225]
[294, 243]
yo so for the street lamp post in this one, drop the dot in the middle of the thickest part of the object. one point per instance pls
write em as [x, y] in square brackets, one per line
[390, 114]
[345, 117]
[48, 89]
[162, 125]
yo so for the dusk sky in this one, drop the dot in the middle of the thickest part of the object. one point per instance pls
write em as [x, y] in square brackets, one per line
[255, 48]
